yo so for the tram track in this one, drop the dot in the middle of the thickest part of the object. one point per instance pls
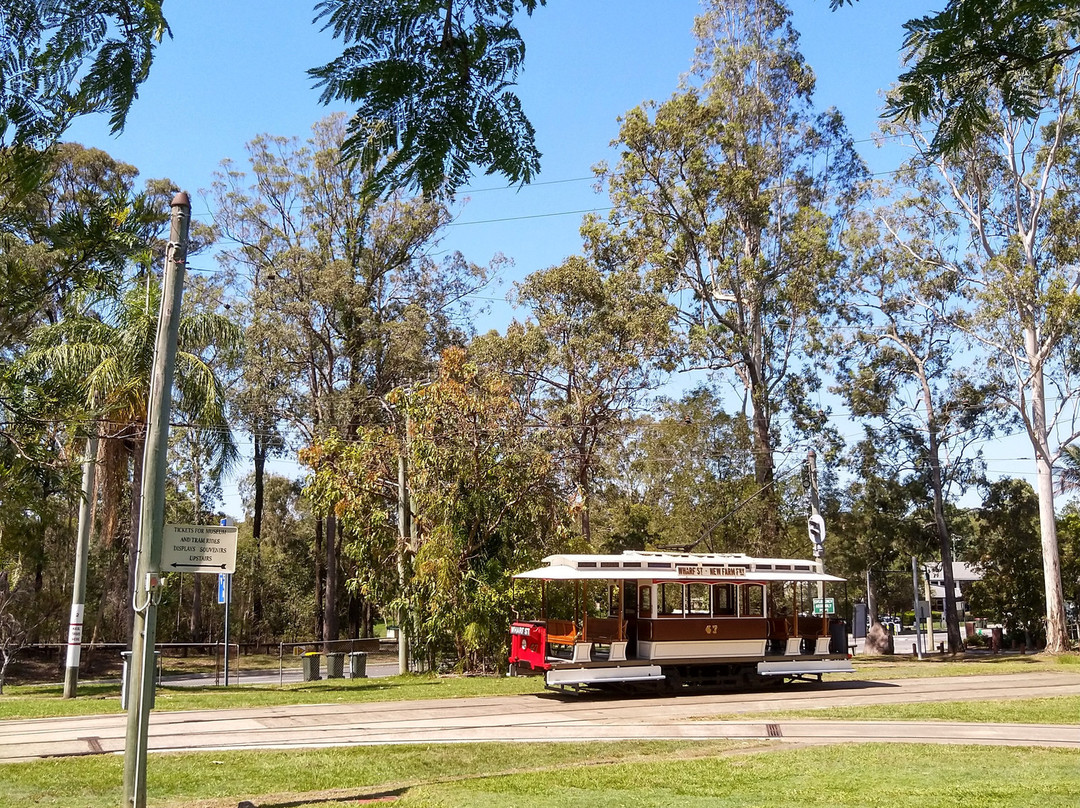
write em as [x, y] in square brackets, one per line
[551, 718]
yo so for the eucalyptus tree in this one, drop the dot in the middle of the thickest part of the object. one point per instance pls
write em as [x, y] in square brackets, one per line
[1012, 196]
[680, 477]
[905, 364]
[733, 192]
[596, 342]
[338, 294]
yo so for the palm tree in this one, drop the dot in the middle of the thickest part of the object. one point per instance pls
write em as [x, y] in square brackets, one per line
[107, 354]
[1069, 473]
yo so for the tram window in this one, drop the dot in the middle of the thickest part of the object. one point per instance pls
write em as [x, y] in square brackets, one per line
[723, 600]
[753, 600]
[699, 599]
[646, 601]
[669, 601]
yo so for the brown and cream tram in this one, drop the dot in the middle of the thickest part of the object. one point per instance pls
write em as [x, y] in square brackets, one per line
[673, 620]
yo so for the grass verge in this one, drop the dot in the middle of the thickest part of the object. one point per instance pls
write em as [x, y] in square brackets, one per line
[46, 701]
[688, 775]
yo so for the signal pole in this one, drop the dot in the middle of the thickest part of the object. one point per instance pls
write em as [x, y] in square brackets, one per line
[147, 589]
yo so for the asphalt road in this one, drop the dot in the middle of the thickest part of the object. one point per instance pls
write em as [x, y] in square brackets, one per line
[551, 717]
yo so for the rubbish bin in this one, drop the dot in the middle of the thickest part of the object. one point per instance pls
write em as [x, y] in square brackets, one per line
[358, 665]
[335, 666]
[838, 637]
[126, 655]
[311, 666]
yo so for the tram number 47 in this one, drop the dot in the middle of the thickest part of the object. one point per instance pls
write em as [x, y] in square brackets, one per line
[712, 629]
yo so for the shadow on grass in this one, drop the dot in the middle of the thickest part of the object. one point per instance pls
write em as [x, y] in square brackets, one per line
[361, 799]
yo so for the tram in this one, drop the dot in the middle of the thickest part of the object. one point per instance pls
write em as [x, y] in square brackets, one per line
[668, 621]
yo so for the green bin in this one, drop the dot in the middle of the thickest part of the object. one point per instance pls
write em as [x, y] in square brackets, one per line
[311, 666]
[358, 665]
[335, 666]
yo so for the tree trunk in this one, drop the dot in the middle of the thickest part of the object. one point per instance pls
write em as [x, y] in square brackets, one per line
[1057, 637]
[133, 547]
[196, 628]
[256, 534]
[764, 477]
[952, 619]
[330, 614]
[320, 578]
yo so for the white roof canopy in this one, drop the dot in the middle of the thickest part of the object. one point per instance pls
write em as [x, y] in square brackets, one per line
[639, 565]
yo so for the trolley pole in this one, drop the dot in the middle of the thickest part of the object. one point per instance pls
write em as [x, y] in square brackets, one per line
[82, 551]
[147, 589]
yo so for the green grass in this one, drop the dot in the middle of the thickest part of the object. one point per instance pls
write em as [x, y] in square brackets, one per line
[683, 774]
[1057, 710]
[46, 701]
[831, 777]
[884, 668]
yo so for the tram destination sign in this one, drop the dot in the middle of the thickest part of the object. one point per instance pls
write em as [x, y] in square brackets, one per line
[713, 572]
[199, 548]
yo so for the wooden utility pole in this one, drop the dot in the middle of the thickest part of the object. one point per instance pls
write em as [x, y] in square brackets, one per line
[82, 552]
[147, 589]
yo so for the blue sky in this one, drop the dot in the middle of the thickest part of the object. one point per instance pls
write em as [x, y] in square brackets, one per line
[236, 69]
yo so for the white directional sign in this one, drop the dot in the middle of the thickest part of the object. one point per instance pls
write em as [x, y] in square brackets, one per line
[199, 548]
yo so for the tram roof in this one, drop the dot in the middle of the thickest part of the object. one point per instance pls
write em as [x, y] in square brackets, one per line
[636, 565]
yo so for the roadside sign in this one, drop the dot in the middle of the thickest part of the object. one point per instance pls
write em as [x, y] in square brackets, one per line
[830, 606]
[222, 587]
[198, 548]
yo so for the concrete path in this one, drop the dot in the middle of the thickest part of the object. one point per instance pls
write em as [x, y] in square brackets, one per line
[556, 718]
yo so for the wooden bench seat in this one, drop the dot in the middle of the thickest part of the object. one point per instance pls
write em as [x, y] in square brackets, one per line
[603, 629]
[561, 632]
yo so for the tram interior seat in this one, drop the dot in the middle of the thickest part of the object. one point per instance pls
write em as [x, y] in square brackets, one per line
[778, 635]
[603, 629]
[561, 632]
